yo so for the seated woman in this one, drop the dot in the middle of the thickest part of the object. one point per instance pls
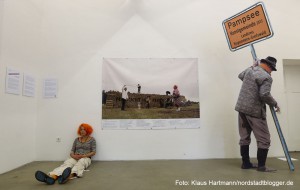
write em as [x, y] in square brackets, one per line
[84, 147]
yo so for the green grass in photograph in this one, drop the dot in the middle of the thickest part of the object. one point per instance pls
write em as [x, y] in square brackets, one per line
[192, 111]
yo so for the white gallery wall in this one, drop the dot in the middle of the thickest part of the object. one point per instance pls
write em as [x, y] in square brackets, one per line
[20, 34]
[67, 39]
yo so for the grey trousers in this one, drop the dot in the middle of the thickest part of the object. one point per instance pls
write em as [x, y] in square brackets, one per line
[260, 129]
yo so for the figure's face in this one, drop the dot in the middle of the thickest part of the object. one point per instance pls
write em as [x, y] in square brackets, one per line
[83, 131]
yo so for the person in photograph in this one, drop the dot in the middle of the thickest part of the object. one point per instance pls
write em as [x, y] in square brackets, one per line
[176, 97]
[148, 102]
[251, 107]
[124, 97]
[104, 97]
[168, 100]
[139, 88]
[83, 149]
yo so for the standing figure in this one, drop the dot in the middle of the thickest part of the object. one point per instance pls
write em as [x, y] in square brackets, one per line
[148, 102]
[139, 88]
[124, 97]
[84, 147]
[168, 100]
[251, 105]
[104, 97]
[176, 97]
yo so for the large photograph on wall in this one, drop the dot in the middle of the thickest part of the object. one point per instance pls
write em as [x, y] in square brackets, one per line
[148, 93]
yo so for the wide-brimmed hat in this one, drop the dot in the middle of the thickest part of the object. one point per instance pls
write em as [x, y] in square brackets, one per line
[271, 61]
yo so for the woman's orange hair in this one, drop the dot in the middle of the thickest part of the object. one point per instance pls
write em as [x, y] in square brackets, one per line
[87, 128]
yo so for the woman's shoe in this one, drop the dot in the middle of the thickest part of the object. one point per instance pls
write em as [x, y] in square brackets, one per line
[64, 176]
[42, 177]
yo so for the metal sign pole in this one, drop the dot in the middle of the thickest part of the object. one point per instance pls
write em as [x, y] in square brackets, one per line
[253, 52]
[282, 140]
[283, 143]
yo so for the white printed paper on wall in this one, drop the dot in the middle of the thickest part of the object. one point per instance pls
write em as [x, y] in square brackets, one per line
[50, 88]
[28, 85]
[13, 78]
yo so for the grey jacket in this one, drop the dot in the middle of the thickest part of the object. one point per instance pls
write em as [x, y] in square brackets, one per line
[255, 92]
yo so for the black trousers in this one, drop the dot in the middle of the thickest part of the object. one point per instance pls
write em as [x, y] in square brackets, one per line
[123, 104]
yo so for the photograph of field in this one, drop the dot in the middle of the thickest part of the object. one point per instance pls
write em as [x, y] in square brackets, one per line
[144, 88]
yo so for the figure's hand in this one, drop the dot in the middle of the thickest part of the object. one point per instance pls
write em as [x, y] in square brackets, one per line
[255, 62]
[277, 109]
[77, 156]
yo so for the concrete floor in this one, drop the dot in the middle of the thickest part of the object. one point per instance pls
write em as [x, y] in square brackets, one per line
[158, 175]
